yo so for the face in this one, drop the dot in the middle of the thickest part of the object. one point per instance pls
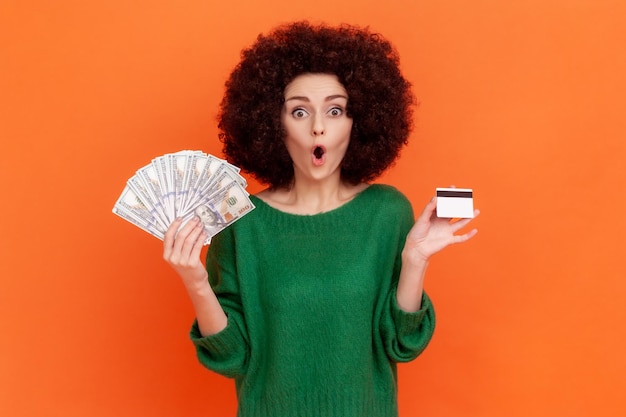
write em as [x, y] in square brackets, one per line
[316, 125]
[207, 217]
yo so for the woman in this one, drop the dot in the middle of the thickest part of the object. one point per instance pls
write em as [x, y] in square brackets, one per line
[309, 301]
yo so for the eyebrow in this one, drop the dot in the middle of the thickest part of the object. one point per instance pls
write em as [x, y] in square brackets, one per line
[304, 98]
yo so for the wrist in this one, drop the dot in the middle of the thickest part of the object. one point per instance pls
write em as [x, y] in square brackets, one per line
[413, 256]
[196, 283]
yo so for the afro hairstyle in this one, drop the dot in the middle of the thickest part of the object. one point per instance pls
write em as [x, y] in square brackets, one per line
[380, 101]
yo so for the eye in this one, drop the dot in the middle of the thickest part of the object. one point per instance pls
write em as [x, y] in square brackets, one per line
[335, 111]
[299, 113]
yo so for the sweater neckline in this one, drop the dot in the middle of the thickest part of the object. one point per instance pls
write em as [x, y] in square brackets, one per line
[354, 200]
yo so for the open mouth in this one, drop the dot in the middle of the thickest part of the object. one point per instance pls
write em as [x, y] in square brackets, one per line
[318, 155]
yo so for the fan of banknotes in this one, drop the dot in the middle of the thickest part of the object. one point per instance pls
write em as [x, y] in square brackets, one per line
[183, 185]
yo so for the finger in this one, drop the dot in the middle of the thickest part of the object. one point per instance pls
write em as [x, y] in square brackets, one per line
[465, 237]
[173, 254]
[185, 233]
[429, 209]
[458, 225]
[170, 235]
[197, 248]
[191, 241]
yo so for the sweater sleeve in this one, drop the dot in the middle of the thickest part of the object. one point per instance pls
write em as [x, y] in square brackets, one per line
[225, 352]
[405, 335]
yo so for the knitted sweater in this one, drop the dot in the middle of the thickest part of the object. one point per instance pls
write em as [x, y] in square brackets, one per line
[313, 325]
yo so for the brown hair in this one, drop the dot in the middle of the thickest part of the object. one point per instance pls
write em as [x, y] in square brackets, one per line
[379, 99]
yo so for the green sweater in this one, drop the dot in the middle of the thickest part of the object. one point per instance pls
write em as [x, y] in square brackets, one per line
[313, 325]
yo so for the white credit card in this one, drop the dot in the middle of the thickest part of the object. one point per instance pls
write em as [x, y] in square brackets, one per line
[455, 203]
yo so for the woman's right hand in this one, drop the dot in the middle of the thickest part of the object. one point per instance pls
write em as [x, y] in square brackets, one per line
[181, 249]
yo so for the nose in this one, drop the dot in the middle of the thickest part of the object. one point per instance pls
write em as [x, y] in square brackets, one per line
[318, 126]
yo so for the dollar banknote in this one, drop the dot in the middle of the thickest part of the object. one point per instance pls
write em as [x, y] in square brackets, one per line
[185, 184]
[130, 207]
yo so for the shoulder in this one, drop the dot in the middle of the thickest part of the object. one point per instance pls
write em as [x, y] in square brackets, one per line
[386, 207]
[387, 204]
[388, 195]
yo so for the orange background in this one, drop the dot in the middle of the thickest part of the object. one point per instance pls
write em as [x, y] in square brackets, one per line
[522, 101]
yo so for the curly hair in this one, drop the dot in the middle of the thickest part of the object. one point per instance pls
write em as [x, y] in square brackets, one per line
[379, 99]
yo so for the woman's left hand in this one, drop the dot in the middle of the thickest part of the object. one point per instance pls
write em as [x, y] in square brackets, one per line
[430, 234]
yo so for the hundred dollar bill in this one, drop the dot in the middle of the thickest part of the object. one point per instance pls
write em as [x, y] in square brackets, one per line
[130, 207]
[162, 169]
[202, 169]
[218, 176]
[232, 167]
[137, 222]
[148, 177]
[221, 178]
[148, 199]
[241, 180]
[194, 167]
[178, 163]
[184, 184]
[222, 208]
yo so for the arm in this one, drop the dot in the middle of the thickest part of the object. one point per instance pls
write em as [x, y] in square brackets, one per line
[428, 236]
[218, 332]
[405, 334]
[182, 251]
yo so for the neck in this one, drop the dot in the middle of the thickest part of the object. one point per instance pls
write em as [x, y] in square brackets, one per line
[311, 197]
